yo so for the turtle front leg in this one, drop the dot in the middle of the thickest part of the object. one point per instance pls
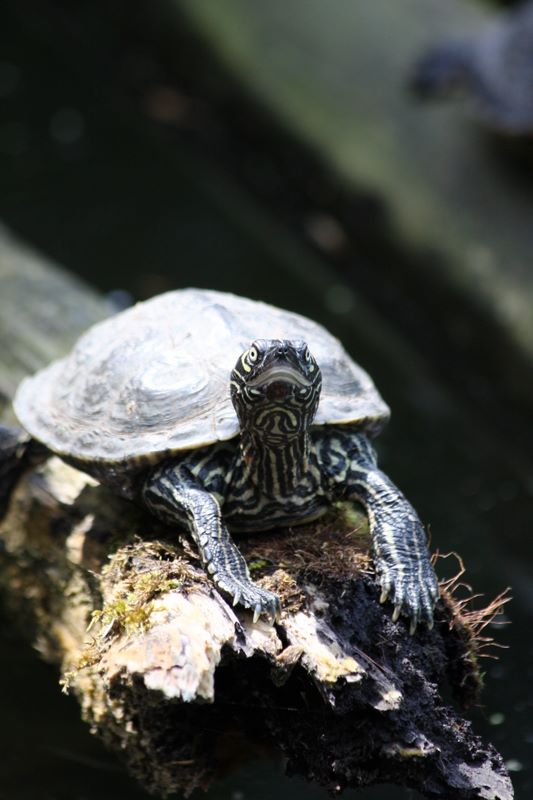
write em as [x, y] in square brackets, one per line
[174, 495]
[401, 555]
[18, 453]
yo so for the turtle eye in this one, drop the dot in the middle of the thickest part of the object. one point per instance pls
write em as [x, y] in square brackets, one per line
[252, 355]
[309, 360]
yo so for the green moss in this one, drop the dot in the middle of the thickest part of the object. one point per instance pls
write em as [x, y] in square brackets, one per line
[258, 564]
[137, 573]
[131, 610]
[351, 515]
[123, 616]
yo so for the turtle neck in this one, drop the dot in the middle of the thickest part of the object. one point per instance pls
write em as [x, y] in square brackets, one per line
[275, 464]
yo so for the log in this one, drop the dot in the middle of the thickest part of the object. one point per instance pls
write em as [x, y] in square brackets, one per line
[178, 682]
[43, 310]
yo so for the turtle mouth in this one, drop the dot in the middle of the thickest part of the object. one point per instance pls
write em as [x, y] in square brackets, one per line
[280, 374]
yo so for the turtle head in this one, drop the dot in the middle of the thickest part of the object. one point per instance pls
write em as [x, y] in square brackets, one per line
[275, 388]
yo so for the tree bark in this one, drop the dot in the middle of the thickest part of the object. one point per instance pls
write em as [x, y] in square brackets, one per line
[174, 678]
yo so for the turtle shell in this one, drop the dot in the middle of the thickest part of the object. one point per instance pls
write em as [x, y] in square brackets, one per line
[154, 379]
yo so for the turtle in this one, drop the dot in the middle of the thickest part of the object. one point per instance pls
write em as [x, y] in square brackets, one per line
[224, 415]
[492, 68]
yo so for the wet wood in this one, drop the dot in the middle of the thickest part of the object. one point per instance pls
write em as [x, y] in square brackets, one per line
[177, 681]
[43, 310]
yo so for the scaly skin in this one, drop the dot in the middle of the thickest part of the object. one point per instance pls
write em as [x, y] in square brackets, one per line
[211, 492]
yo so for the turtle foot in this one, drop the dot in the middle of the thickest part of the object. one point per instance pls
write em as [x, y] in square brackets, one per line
[413, 591]
[243, 592]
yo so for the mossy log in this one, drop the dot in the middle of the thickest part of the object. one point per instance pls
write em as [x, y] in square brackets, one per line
[182, 684]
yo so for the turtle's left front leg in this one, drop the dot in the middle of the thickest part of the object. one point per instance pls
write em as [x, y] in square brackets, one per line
[401, 555]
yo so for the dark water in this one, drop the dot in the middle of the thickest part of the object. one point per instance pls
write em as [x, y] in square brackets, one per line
[125, 211]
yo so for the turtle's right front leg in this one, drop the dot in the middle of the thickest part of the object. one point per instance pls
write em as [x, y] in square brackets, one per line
[174, 495]
[18, 453]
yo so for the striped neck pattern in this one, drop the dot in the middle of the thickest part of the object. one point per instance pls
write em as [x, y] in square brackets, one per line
[275, 466]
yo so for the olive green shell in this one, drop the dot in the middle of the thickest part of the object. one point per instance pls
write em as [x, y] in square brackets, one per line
[154, 379]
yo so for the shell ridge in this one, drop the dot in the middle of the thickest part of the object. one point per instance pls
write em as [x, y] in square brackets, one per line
[154, 379]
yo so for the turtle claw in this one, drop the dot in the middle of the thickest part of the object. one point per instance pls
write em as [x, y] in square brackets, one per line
[274, 614]
[241, 591]
[411, 595]
[385, 583]
[263, 602]
[272, 611]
